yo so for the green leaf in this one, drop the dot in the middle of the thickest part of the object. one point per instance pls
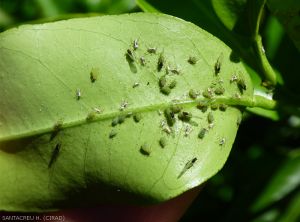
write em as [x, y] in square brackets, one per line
[288, 14]
[285, 180]
[83, 117]
[292, 212]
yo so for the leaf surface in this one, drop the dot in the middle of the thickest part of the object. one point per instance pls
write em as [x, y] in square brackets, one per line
[82, 116]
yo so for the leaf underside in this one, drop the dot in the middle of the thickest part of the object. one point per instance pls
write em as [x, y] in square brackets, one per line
[83, 120]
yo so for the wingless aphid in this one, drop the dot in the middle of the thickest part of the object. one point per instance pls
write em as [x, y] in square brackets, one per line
[94, 74]
[145, 149]
[162, 142]
[137, 117]
[187, 166]
[193, 94]
[218, 64]
[210, 117]
[78, 94]
[192, 60]
[173, 84]
[151, 50]
[112, 134]
[202, 133]
[129, 55]
[135, 44]
[160, 62]
[54, 155]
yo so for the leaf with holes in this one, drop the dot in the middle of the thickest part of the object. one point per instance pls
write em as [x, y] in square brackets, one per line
[85, 117]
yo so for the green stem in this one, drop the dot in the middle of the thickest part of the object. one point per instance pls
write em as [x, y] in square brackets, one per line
[264, 65]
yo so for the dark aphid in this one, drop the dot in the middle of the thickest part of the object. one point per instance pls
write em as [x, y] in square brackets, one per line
[203, 106]
[210, 117]
[162, 81]
[173, 84]
[145, 149]
[176, 108]
[115, 121]
[136, 84]
[219, 91]
[223, 107]
[208, 93]
[241, 84]
[162, 142]
[91, 116]
[121, 119]
[56, 128]
[112, 134]
[165, 90]
[129, 55]
[78, 94]
[187, 166]
[192, 60]
[214, 106]
[170, 116]
[193, 94]
[185, 116]
[218, 64]
[152, 50]
[94, 74]
[222, 142]
[135, 44]
[137, 117]
[160, 62]
[54, 155]
[202, 133]
[142, 61]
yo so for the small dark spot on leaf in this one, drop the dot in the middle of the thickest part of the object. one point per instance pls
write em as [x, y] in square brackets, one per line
[192, 60]
[112, 134]
[162, 142]
[137, 117]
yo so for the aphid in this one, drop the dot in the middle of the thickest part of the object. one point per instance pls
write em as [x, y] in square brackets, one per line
[129, 55]
[142, 61]
[136, 84]
[152, 50]
[91, 116]
[188, 129]
[222, 142]
[193, 94]
[202, 133]
[145, 149]
[203, 106]
[165, 90]
[162, 142]
[54, 154]
[223, 107]
[219, 91]
[233, 78]
[210, 117]
[160, 62]
[137, 117]
[173, 84]
[214, 106]
[56, 128]
[162, 81]
[98, 110]
[175, 71]
[94, 74]
[218, 64]
[135, 44]
[115, 121]
[187, 166]
[176, 108]
[192, 60]
[78, 94]
[112, 134]
[207, 93]
[241, 84]
[123, 105]
[185, 116]
[121, 119]
[170, 116]
[167, 129]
